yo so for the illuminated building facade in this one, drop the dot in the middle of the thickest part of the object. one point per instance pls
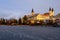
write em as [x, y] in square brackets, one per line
[46, 16]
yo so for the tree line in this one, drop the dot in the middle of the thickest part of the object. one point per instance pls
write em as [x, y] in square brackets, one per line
[13, 21]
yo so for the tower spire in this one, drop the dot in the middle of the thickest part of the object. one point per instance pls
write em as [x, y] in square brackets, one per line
[50, 9]
[32, 11]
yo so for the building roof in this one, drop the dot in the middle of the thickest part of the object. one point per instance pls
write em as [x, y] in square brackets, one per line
[32, 15]
[46, 14]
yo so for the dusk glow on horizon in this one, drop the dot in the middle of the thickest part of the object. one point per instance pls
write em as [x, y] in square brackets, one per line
[19, 8]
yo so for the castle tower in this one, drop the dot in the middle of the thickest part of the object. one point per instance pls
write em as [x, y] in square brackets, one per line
[51, 12]
[32, 12]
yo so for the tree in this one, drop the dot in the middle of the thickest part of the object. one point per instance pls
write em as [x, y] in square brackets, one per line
[2, 21]
[13, 21]
[25, 19]
[19, 21]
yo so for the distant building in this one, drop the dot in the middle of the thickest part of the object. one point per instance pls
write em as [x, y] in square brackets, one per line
[57, 16]
[46, 16]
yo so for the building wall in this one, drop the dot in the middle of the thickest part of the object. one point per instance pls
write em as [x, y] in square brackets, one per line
[41, 17]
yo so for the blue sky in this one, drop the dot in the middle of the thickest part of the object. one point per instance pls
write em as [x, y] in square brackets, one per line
[18, 8]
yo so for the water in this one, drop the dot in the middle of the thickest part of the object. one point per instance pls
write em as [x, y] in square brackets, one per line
[29, 33]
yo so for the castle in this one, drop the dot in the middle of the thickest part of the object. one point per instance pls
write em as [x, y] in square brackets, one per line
[38, 17]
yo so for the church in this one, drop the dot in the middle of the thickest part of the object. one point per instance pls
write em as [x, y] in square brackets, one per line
[38, 17]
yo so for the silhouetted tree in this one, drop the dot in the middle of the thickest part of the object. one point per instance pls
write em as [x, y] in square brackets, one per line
[2, 21]
[19, 21]
[25, 19]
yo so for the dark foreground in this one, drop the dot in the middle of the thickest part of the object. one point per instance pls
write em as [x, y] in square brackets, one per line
[29, 33]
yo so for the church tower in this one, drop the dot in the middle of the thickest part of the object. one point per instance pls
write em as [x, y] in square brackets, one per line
[32, 12]
[51, 12]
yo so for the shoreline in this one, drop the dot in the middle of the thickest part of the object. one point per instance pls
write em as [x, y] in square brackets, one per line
[25, 25]
[34, 25]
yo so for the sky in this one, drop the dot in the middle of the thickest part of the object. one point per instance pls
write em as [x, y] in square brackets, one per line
[19, 8]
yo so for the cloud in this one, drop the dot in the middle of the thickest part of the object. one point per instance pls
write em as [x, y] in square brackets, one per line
[10, 14]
